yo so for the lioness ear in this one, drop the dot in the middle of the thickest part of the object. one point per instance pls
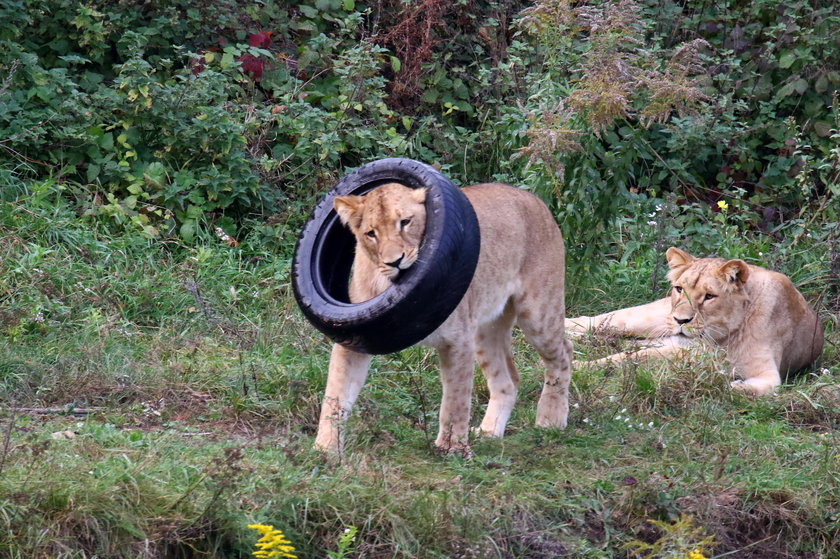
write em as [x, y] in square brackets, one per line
[418, 195]
[734, 271]
[678, 258]
[349, 209]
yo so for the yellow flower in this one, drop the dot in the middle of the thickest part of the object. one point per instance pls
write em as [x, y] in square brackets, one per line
[696, 553]
[723, 206]
[272, 543]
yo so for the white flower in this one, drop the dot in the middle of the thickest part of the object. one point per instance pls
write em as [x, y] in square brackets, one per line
[586, 420]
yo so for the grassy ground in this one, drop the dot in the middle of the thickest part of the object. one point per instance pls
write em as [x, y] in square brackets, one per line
[202, 384]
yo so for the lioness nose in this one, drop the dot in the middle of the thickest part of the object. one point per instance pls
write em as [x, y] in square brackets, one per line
[682, 321]
[395, 263]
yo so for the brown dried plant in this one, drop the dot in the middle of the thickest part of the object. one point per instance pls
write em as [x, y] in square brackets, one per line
[412, 37]
[674, 90]
[550, 131]
[615, 77]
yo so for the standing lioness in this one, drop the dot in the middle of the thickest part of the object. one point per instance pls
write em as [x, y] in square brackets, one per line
[518, 279]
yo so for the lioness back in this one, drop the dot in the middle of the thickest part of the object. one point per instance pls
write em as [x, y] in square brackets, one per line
[520, 243]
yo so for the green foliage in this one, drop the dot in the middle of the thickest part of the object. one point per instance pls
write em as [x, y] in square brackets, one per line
[164, 131]
[643, 98]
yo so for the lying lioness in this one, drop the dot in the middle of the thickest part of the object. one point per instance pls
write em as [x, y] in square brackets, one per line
[757, 316]
[519, 279]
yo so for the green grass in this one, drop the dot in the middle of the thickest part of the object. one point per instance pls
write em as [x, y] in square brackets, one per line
[206, 383]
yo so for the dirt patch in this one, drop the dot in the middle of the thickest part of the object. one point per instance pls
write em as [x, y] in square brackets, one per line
[532, 537]
[770, 528]
[816, 408]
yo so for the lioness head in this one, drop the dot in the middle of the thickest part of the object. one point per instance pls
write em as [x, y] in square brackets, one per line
[708, 296]
[388, 223]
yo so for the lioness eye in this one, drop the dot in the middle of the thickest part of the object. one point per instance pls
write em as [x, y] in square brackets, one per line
[405, 222]
[371, 234]
[709, 297]
[678, 289]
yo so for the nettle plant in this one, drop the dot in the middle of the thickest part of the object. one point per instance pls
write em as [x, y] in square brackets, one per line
[597, 121]
[707, 104]
[173, 148]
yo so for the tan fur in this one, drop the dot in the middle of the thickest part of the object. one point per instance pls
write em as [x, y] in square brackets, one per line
[518, 279]
[756, 315]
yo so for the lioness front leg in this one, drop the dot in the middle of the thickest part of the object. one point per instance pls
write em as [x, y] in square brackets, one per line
[456, 375]
[347, 374]
[642, 321]
[761, 378]
[671, 347]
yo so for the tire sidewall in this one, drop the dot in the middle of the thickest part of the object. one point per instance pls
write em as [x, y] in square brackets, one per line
[422, 297]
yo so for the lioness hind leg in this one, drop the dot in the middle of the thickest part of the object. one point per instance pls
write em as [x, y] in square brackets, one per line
[543, 329]
[456, 375]
[495, 357]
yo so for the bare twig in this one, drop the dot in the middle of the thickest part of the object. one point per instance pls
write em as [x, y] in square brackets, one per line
[64, 410]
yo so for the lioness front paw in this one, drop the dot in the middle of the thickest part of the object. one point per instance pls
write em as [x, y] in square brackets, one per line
[752, 387]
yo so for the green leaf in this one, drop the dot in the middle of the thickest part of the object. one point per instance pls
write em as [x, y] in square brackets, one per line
[227, 60]
[822, 128]
[821, 84]
[395, 64]
[785, 90]
[430, 96]
[188, 230]
[196, 198]
[349, 5]
[308, 11]
[106, 142]
[193, 212]
[787, 60]
[93, 172]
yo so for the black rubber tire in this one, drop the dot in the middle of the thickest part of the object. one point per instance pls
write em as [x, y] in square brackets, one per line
[421, 298]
